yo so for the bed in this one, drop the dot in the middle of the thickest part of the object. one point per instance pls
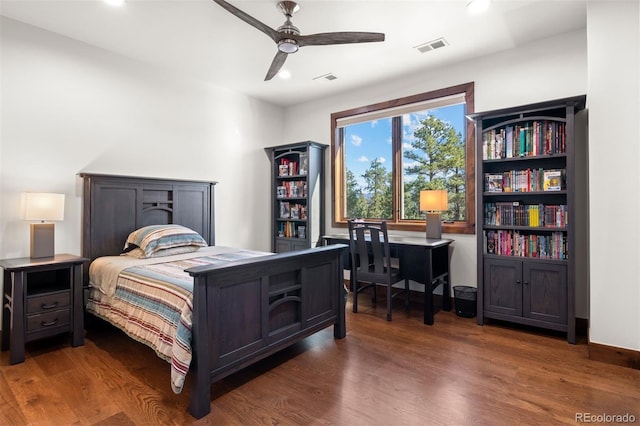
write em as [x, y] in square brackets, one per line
[239, 306]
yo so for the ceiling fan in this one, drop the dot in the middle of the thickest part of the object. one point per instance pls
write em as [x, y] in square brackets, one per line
[289, 39]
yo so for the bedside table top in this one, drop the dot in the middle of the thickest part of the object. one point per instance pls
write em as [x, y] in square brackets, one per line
[27, 262]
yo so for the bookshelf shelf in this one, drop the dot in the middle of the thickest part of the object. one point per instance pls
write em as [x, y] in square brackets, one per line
[525, 163]
[297, 188]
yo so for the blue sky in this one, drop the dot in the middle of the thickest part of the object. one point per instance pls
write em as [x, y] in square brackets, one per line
[370, 140]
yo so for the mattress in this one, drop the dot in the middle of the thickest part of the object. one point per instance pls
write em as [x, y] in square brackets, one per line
[151, 299]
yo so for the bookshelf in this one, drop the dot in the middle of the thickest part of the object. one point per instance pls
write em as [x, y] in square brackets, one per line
[297, 194]
[526, 205]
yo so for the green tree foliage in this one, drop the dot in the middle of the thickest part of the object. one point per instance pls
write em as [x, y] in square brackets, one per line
[356, 201]
[378, 190]
[438, 162]
[437, 158]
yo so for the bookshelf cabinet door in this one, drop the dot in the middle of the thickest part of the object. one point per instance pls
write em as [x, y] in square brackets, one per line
[545, 292]
[503, 286]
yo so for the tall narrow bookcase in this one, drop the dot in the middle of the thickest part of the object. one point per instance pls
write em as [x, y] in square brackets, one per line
[297, 194]
[526, 210]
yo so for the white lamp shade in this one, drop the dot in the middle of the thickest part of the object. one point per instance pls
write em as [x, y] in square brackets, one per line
[43, 206]
[434, 200]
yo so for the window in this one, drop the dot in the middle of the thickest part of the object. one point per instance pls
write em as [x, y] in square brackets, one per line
[384, 154]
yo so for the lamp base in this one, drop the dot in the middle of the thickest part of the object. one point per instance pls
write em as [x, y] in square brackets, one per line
[42, 240]
[434, 226]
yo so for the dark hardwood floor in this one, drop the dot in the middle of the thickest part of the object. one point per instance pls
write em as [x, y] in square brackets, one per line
[383, 373]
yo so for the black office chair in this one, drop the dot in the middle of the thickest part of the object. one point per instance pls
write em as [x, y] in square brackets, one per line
[371, 262]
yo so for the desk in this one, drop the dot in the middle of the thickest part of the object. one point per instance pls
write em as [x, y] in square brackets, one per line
[421, 260]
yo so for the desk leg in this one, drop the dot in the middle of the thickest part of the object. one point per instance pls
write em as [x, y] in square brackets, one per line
[446, 293]
[428, 306]
[428, 290]
[6, 311]
[16, 338]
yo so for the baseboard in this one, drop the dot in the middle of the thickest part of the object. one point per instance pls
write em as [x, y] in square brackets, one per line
[614, 355]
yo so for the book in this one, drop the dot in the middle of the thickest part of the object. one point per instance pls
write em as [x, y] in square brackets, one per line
[552, 180]
[304, 164]
[284, 210]
[493, 182]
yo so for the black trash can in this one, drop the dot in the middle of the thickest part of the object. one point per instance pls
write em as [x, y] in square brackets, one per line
[465, 299]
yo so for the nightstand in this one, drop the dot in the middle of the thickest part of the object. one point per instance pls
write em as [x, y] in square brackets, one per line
[41, 298]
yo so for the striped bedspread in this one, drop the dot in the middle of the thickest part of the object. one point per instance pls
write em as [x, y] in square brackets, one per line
[152, 300]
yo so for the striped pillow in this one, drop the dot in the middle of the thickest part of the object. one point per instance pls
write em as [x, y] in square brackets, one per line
[151, 239]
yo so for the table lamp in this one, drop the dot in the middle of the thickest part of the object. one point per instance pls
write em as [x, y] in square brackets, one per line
[43, 207]
[433, 202]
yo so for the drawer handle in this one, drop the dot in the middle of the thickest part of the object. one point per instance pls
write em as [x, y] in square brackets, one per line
[49, 324]
[51, 306]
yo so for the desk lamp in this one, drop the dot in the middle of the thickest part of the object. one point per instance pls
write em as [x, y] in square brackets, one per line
[43, 206]
[433, 202]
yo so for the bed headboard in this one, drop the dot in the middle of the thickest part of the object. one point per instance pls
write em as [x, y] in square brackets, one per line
[114, 206]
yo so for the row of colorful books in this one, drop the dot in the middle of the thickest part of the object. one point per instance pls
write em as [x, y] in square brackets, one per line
[290, 167]
[292, 189]
[292, 210]
[291, 230]
[522, 244]
[538, 137]
[533, 215]
[525, 180]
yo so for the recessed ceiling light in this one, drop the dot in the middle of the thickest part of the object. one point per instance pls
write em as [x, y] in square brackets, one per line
[115, 2]
[478, 6]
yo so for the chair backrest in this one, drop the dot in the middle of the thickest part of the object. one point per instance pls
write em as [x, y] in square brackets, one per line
[369, 247]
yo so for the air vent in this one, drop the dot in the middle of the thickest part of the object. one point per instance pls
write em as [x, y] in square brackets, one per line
[328, 76]
[432, 45]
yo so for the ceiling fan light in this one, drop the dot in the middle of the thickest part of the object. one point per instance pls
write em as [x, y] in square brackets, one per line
[284, 74]
[287, 45]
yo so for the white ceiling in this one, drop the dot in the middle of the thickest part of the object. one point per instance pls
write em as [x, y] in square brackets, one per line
[200, 39]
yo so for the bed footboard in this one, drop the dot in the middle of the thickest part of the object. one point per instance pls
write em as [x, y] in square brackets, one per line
[247, 310]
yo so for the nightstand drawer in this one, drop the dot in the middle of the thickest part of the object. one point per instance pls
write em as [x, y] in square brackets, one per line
[48, 302]
[48, 320]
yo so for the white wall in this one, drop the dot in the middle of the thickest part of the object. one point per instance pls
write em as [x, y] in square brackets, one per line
[544, 70]
[69, 107]
[614, 134]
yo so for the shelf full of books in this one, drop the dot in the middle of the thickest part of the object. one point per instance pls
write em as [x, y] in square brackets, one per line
[526, 180]
[515, 213]
[528, 138]
[525, 244]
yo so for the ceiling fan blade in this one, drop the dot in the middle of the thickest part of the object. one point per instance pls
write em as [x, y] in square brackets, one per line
[273, 34]
[322, 39]
[277, 63]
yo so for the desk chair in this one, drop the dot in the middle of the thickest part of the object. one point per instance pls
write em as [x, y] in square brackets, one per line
[371, 262]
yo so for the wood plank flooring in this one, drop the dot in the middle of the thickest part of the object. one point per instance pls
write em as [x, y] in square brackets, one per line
[383, 373]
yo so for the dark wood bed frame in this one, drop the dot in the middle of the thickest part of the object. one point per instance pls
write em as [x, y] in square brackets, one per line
[243, 311]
